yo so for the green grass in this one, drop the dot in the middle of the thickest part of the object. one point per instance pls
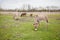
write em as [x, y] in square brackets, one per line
[11, 29]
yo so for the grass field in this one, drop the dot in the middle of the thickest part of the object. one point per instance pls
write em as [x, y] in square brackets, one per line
[23, 29]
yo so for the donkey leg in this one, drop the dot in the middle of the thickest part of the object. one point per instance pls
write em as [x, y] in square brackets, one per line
[47, 24]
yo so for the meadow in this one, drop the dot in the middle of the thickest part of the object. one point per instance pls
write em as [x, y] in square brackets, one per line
[23, 28]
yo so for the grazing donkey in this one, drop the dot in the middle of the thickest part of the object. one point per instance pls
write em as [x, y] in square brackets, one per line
[23, 14]
[38, 19]
[31, 15]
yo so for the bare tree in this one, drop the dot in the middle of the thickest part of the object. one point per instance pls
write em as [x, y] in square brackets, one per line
[29, 7]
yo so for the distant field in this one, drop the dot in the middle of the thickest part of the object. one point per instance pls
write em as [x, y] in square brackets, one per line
[30, 12]
[23, 29]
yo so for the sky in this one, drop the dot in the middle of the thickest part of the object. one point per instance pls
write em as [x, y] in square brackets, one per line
[12, 4]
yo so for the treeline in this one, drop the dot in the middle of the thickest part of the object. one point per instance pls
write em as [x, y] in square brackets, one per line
[31, 10]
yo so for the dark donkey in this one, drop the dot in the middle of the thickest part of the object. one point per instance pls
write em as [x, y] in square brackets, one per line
[23, 14]
[38, 19]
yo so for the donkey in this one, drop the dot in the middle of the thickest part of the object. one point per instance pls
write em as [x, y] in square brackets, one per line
[38, 19]
[23, 14]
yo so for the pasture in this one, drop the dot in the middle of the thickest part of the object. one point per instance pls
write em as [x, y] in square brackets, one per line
[23, 29]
